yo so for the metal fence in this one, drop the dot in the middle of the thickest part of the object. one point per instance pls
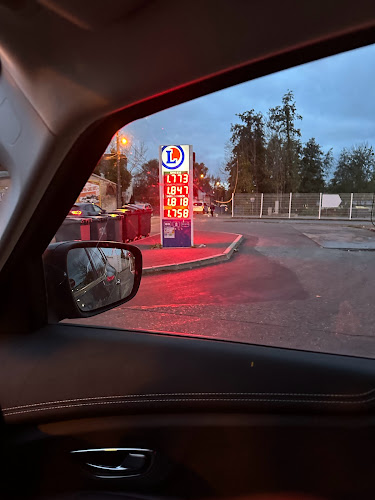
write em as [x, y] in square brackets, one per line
[345, 206]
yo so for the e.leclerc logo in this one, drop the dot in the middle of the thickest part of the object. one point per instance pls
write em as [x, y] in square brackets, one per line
[172, 157]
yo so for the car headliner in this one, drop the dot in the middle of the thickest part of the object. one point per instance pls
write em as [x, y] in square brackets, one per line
[66, 65]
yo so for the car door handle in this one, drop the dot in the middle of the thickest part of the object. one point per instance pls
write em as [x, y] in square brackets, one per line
[133, 462]
[108, 468]
[114, 463]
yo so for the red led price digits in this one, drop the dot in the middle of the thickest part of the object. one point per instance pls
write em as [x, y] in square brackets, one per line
[176, 196]
[176, 178]
[176, 213]
[176, 202]
[176, 190]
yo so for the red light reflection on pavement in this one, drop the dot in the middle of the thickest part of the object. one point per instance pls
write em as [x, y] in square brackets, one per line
[248, 277]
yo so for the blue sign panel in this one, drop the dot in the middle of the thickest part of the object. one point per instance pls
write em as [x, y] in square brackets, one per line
[176, 233]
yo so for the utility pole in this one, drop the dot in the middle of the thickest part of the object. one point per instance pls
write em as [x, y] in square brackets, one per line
[118, 170]
[123, 141]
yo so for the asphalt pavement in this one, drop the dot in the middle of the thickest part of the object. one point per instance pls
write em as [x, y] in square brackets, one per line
[281, 288]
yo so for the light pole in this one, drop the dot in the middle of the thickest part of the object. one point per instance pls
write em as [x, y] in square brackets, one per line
[118, 162]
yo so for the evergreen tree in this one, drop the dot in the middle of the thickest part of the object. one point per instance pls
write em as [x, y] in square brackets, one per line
[282, 123]
[314, 165]
[248, 150]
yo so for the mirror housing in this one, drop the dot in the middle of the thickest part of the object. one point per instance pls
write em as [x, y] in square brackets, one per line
[62, 300]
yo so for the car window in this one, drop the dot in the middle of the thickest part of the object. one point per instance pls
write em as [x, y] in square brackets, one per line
[283, 251]
[95, 208]
[98, 260]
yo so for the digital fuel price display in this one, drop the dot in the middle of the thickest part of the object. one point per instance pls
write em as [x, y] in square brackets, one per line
[176, 195]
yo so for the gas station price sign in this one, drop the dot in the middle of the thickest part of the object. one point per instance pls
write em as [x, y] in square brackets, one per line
[176, 195]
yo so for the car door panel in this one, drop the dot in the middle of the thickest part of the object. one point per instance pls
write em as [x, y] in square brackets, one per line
[113, 371]
[205, 455]
[223, 419]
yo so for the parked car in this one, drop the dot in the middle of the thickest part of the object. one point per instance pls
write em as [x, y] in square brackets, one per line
[92, 278]
[198, 207]
[138, 206]
[86, 210]
[148, 206]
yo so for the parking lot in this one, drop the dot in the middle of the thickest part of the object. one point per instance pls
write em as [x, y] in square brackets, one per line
[284, 287]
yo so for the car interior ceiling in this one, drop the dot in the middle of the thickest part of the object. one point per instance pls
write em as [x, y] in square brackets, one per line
[204, 419]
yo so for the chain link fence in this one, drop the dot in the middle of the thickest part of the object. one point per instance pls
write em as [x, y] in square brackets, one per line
[345, 206]
[275, 205]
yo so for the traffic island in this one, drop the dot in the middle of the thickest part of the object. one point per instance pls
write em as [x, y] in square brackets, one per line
[209, 248]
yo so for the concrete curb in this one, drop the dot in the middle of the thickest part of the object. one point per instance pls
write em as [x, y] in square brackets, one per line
[214, 259]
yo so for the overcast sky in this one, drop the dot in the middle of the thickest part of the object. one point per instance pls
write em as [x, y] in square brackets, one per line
[335, 96]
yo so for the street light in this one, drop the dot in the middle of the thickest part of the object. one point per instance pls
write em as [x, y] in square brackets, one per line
[202, 175]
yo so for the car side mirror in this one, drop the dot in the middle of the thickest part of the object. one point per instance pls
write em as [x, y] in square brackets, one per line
[85, 278]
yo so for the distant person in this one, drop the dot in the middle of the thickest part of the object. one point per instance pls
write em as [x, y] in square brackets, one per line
[212, 207]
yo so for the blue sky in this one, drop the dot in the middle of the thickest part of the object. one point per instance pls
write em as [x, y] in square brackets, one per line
[335, 96]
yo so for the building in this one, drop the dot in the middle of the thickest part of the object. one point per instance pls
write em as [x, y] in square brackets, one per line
[200, 195]
[100, 191]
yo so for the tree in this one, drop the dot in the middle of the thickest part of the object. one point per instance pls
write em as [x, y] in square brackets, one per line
[131, 157]
[314, 166]
[146, 183]
[355, 170]
[136, 154]
[217, 188]
[281, 122]
[201, 179]
[107, 167]
[248, 154]
[275, 163]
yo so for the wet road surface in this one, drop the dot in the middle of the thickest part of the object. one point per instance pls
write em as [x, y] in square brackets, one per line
[281, 288]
